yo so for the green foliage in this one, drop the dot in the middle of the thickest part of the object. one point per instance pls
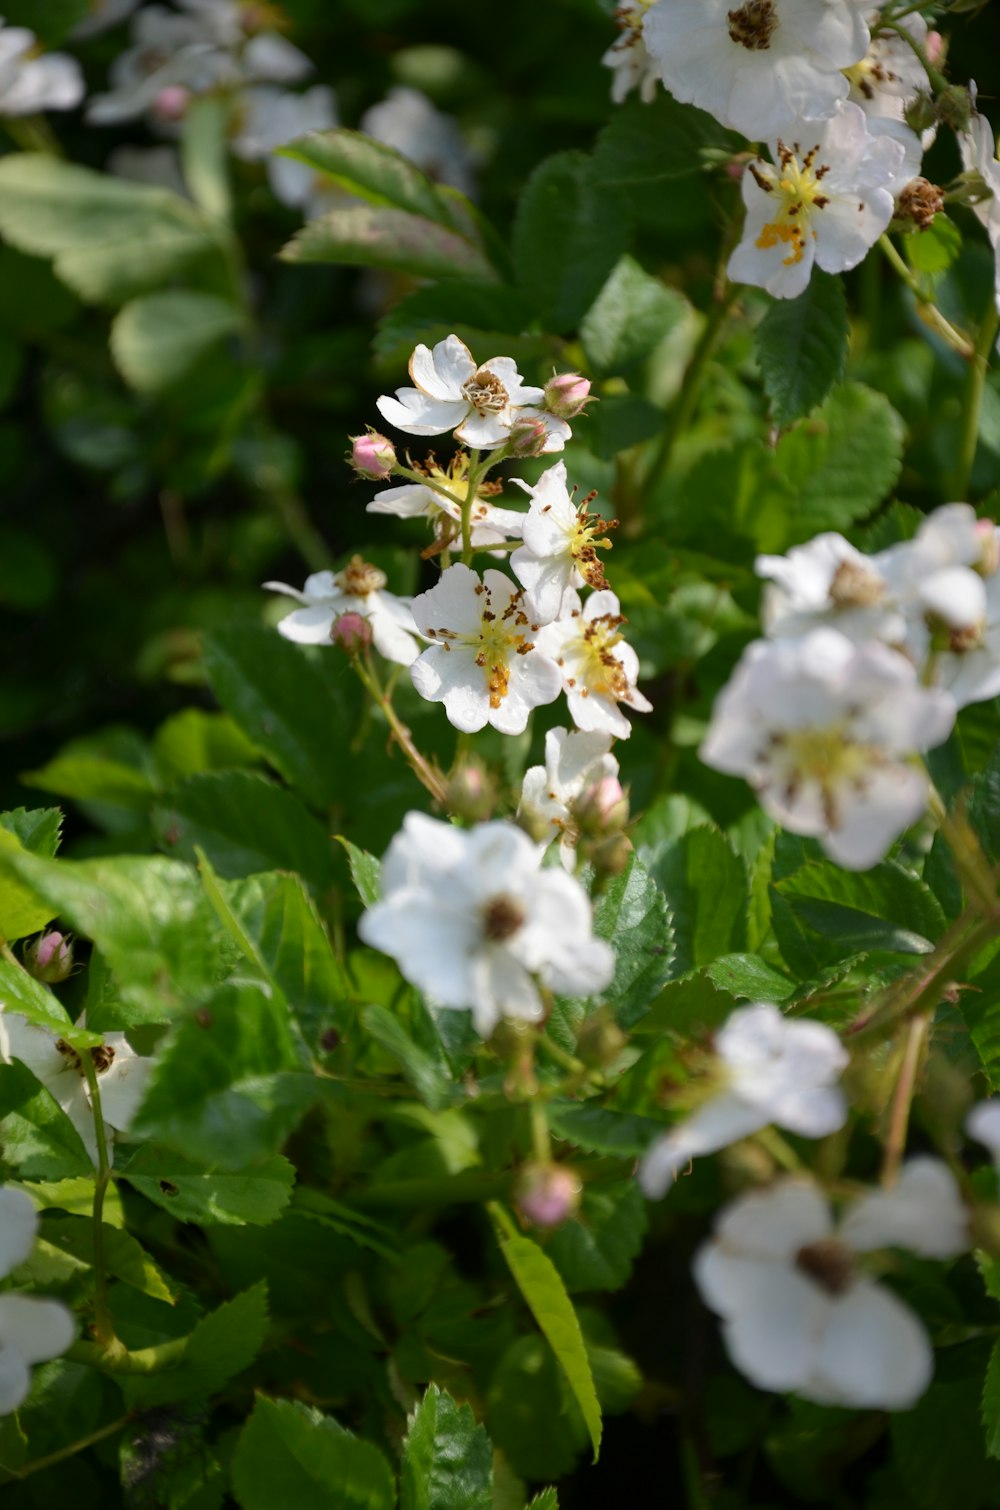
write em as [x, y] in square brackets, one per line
[802, 347]
[633, 914]
[596, 1249]
[221, 1346]
[629, 318]
[371, 236]
[705, 884]
[190, 1192]
[374, 172]
[447, 1458]
[567, 238]
[156, 340]
[290, 1453]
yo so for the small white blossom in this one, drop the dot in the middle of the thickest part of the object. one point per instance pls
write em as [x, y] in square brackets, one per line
[575, 762]
[798, 1313]
[983, 1124]
[483, 664]
[826, 199]
[890, 75]
[358, 589]
[31, 1330]
[18, 1228]
[478, 403]
[828, 581]
[979, 155]
[773, 1069]
[561, 541]
[599, 670]
[473, 920]
[825, 731]
[271, 117]
[121, 1072]
[408, 121]
[628, 57]
[490, 525]
[758, 66]
[30, 82]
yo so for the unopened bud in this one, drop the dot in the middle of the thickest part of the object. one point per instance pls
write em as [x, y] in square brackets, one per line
[471, 792]
[989, 562]
[602, 808]
[49, 958]
[934, 48]
[919, 202]
[527, 437]
[610, 856]
[567, 395]
[954, 107]
[373, 456]
[547, 1194]
[921, 113]
[351, 632]
[600, 1040]
[172, 102]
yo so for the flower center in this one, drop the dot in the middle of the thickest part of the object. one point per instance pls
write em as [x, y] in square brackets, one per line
[855, 586]
[503, 916]
[753, 25]
[103, 1056]
[499, 637]
[830, 758]
[485, 392]
[797, 185]
[629, 19]
[584, 544]
[828, 1263]
[871, 73]
[359, 578]
[601, 669]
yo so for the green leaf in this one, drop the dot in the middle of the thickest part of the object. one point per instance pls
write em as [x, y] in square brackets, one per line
[51, 23]
[936, 248]
[547, 1500]
[156, 340]
[750, 977]
[366, 872]
[984, 805]
[88, 772]
[37, 828]
[840, 463]
[629, 318]
[600, 1129]
[372, 171]
[221, 1346]
[194, 741]
[539, 1282]
[532, 1414]
[938, 1445]
[245, 823]
[802, 347]
[369, 236]
[191, 1193]
[110, 239]
[428, 1073]
[22, 909]
[568, 235]
[632, 915]
[596, 1249]
[292, 1455]
[991, 1404]
[21, 993]
[707, 891]
[647, 147]
[38, 1137]
[124, 1257]
[205, 156]
[475, 311]
[447, 1458]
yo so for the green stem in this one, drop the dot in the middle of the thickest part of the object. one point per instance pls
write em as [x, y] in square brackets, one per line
[690, 393]
[104, 1327]
[422, 768]
[936, 77]
[972, 403]
[902, 1099]
[541, 1140]
[61, 1453]
[929, 311]
[470, 495]
[118, 1360]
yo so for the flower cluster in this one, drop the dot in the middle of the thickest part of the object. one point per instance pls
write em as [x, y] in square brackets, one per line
[867, 660]
[31, 1330]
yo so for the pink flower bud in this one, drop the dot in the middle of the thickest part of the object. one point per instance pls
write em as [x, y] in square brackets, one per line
[602, 808]
[989, 561]
[49, 958]
[567, 395]
[934, 47]
[351, 632]
[373, 456]
[172, 102]
[527, 437]
[547, 1194]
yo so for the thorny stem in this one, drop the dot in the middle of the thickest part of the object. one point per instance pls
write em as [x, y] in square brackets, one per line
[690, 393]
[470, 496]
[962, 942]
[61, 1453]
[972, 402]
[423, 769]
[902, 1098]
[929, 311]
[104, 1327]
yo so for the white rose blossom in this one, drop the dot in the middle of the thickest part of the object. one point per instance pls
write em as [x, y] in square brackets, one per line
[825, 732]
[599, 670]
[758, 66]
[890, 75]
[484, 663]
[271, 117]
[773, 1070]
[983, 1124]
[408, 121]
[121, 1074]
[360, 589]
[441, 504]
[479, 404]
[561, 541]
[31, 1330]
[799, 1313]
[31, 82]
[828, 581]
[979, 155]
[474, 921]
[825, 200]
[628, 56]
[576, 762]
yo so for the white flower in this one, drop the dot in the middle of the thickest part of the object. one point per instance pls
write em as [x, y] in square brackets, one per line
[473, 920]
[483, 665]
[983, 1124]
[18, 1228]
[359, 589]
[599, 670]
[890, 75]
[826, 199]
[628, 56]
[271, 117]
[408, 121]
[797, 1311]
[102, 15]
[824, 732]
[29, 83]
[575, 762]
[827, 581]
[759, 66]
[31, 1331]
[774, 1069]
[121, 1072]
[561, 541]
[979, 155]
[490, 525]
[480, 404]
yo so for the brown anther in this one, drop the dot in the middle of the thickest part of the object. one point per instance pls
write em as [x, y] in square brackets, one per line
[828, 1263]
[854, 586]
[753, 24]
[359, 578]
[485, 392]
[103, 1057]
[920, 201]
[502, 916]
